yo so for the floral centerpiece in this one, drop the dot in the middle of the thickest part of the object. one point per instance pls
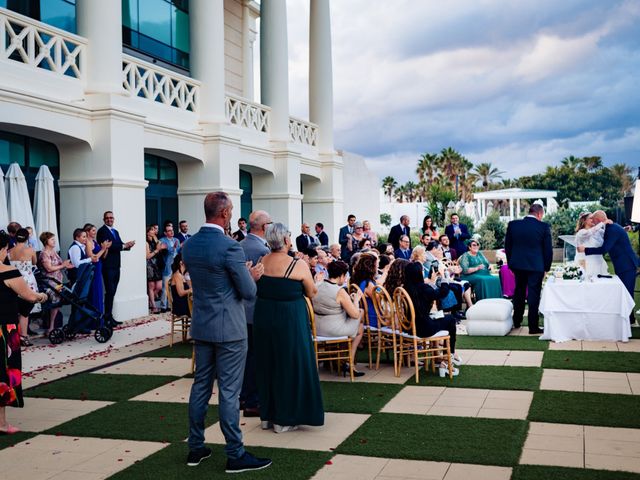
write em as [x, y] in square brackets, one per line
[569, 271]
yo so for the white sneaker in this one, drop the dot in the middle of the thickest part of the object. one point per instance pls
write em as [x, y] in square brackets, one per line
[284, 428]
[266, 425]
[444, 370]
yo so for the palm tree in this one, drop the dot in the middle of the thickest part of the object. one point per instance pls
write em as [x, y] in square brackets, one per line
[623, 173]
[427, 166]
[411, 191]
[389, 184]
[592, 163]
[449, 162]
[571, 162]
[467, 183]
[487, 173]
[400, 193]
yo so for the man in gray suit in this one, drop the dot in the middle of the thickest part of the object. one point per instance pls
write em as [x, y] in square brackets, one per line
[221, 280]
[255, 247]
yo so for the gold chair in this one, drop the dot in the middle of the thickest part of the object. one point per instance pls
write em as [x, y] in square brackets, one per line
[388, 333]
[193, 346]
[370, 333]
[426, 349]
[330, 349]
[180, 323]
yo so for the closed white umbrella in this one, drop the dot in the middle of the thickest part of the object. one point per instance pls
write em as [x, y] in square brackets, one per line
[44, 208]
[4, 214]
[18, 203]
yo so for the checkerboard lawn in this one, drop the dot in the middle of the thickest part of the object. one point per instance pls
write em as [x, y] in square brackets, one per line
[416, 437]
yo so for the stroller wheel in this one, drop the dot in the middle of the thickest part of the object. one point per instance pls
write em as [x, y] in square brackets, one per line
[103, 334]
[68, 333]
[56, 336]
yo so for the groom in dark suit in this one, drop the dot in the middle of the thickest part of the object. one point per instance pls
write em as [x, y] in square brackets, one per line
[111, 263]
[617, 245]
[529, 255]
[221, 281]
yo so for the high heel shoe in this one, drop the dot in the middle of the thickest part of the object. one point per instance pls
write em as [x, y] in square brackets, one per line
[345, 370]
[25, 342]
[456, 360]
[443, 370]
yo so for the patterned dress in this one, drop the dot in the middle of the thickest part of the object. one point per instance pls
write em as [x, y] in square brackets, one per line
[26, 270]
[10, 359]
[47, 260]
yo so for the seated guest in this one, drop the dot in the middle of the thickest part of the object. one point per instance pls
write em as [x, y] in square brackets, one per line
[447, 251]
[334, 251]
[425, 239]
[311, 257]
[423, 297]
[180, 288]
[323, 261]
[451, 273]
[429, 266]
[337, 314]
[241, 233]
[364, 276]
[383, 261]
[395, 277]
[419, 254]
[322, 238]
[429, 229]
[475, 270]
[368, 233]
[405, 248]
[365, 244]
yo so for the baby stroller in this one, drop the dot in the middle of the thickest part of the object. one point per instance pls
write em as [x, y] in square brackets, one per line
[83, 314]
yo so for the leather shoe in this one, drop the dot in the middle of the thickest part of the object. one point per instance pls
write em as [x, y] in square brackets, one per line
[536, 331]
[251, 412]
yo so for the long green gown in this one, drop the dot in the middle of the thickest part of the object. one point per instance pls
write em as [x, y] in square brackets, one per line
[286, 372]
[484, 284]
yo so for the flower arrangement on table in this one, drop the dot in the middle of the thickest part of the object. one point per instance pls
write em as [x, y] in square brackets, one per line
[569, 271]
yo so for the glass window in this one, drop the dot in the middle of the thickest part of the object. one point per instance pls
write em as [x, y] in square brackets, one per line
[180, 30]
[130, 14]
[150, 168]
[155, 20]
[168, 171]
[11, 150]
[59, 13]
[42, 153]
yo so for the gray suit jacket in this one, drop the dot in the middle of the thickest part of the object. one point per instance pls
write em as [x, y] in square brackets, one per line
[254, 249]
[220, 282]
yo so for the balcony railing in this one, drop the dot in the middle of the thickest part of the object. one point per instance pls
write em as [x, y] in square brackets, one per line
[303, 132]
[157, 84]
[244, 113]
[41, 46]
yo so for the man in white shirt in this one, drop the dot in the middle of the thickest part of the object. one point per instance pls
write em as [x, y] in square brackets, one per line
[78, 249]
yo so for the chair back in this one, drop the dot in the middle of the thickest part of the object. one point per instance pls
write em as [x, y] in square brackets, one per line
[405, 312]
[353, 288]
[312, 318]
[384, 307]
[169, 295]
[190, 301]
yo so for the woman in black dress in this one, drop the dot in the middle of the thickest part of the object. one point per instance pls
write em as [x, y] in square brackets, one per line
[12, 285]
[180, 288]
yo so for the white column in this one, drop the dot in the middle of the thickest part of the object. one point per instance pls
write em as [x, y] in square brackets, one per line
[320, 74]
[274, 68]
[518, 209]
[511, 209]
[101, 24]
[248, 40]
[206, 24]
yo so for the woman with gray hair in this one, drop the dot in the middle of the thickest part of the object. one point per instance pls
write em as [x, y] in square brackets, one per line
[287, 375]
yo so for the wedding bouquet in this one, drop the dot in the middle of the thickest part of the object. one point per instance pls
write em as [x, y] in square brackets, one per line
[572, 271]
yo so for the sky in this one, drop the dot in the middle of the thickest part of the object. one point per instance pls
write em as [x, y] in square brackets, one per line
[521, 84]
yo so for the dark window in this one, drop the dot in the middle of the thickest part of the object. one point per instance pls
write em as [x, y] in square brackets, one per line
[162, 192]
[30, 154]
[246, 185]
[158, 28]
[59, 13]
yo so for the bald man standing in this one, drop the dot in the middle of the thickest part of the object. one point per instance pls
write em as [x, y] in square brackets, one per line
[617, 245]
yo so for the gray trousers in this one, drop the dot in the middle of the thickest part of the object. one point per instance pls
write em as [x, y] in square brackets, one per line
[224, 361]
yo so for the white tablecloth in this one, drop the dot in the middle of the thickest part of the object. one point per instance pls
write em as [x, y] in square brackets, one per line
[596, 310]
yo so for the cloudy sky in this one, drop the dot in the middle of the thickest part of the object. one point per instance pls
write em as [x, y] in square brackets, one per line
[520, 84]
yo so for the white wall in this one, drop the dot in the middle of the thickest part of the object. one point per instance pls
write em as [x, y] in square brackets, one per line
[416, 212]
[233, 46]
[361, 189]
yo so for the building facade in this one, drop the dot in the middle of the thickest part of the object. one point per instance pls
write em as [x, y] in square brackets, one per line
[144, 106]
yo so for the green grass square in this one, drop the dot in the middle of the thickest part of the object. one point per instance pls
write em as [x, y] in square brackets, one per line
[7, 441]
[536, 472]
[179, 350]
[357, 397]
[145, 421]
[170, 464]
[94, 386]
[596, 361]
[581, 408]
[444, 439]
[491, 377]
[509, 342]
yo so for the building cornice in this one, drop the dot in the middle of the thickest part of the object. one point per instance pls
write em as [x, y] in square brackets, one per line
[103, 182]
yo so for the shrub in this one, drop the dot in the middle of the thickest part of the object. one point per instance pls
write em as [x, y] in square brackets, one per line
[385, 219]
[492, 232]
[488, 240]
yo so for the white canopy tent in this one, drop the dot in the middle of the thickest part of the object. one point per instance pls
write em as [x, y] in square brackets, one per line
[514, 196]
[4, 214]
[44, 208]
[18, 202]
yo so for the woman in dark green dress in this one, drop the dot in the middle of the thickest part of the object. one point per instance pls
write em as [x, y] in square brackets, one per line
[476, 270]
[287, 375]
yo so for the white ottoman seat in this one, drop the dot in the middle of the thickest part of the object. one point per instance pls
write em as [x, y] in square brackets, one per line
[490, 317]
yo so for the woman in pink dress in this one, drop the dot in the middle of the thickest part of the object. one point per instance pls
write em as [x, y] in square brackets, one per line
[53, 266]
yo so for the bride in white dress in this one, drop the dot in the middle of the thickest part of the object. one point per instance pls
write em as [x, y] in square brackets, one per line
[588, 235]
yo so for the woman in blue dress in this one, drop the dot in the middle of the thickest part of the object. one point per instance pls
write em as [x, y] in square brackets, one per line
[97, 251]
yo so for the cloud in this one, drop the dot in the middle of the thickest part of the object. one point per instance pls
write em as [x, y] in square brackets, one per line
[528, 81]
